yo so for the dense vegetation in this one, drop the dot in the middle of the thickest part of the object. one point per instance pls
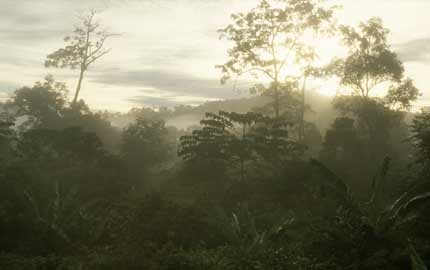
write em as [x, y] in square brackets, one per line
[258, 187]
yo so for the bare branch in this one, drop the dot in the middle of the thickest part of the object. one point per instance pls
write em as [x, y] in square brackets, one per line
[98, 56]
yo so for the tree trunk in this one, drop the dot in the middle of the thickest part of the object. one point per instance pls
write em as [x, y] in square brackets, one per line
[302, 112]
[78, 87]
[276, 89]
[242, 170]
[277, 125]
[242, 161]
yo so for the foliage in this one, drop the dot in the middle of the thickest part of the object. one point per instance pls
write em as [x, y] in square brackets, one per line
[370, 62]
[421, 135]
[56, 188]
[228, 139]
[384, 220]
[41, 103]
[269, 39]
[85, 46]
[78, 193]
[370, 67]
[402, 95]
[44, 106]
[145, 146]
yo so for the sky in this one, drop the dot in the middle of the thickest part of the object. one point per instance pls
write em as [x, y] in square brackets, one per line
[167, 51]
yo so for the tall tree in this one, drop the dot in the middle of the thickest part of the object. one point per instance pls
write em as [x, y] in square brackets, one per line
[371, 67]
[43, 104]
[224, 141]
[145, 146]
[268, 41]
[370, 61]
[231, 140]
[379, 90]
[85, 46]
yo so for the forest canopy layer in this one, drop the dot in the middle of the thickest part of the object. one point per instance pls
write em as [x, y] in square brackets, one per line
[283, 179]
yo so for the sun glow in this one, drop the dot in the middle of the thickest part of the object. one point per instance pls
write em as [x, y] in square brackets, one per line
[326, 50]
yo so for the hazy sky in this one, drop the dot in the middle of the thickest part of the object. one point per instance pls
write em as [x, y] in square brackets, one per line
[168, 48]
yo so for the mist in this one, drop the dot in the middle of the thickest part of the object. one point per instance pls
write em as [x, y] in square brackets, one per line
[206, 135]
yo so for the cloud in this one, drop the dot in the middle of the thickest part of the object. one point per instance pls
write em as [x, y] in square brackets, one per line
[417, 50]
[167, 101]
[167, 82]
[30, 35]
[162, 56]
[168, 88]
[38, 21]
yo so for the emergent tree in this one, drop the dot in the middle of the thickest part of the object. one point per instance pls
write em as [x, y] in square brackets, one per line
[85, 46]
[268, 41]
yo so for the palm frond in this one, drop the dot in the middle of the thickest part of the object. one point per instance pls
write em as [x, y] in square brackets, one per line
[417, 262]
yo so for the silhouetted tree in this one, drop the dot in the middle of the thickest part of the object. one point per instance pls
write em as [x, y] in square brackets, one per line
[211, 143]
[68, 201]
[85, 46]
[145, 145]
[7, 136]
[45, 106]
[268, 40]
[41, 104]
[369, 69]
[342, 141]
[372, 66]
[242, 144]
[228, 139]
[402, 95]
[421, 137]
[370, 61]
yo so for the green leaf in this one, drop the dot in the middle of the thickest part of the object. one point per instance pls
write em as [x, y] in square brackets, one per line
[417, 262]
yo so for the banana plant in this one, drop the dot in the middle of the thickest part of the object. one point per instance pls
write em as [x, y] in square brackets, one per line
[241, 230]
[417, 261]
[61, 214]
[384, 217]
